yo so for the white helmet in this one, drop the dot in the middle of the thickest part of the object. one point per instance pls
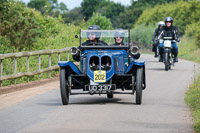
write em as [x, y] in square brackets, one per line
[161, 23]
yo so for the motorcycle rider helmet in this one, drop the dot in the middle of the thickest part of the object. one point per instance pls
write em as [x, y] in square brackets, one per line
[168, 19]
[94, 27]
[161, 23]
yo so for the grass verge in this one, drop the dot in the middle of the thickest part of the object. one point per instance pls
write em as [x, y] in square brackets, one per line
[193, 100]
[188, 50]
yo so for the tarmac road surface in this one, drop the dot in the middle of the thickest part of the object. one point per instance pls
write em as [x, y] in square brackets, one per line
[162, 111]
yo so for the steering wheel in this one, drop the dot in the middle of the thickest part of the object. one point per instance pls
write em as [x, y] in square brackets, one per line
[91, 43]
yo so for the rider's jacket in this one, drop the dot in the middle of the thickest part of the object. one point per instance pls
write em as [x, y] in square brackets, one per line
[169, 32]
[156, 33]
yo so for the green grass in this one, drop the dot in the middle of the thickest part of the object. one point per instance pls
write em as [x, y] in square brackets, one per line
[193, 100]
[189, 50]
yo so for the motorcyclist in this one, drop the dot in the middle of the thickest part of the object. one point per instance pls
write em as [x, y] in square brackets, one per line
[155, 35]
[169, 31]
[93, 40]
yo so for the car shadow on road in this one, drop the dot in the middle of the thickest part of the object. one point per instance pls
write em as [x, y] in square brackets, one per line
[101, 101]
[51, 102]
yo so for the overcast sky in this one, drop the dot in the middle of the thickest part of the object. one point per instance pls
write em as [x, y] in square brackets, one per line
[76, 3]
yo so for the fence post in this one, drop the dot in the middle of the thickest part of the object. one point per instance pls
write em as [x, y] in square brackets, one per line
[49, 73]
[27, 64]
[39, 66]
[15, 66]
[1, 71]
[67, 56]
[58, 56]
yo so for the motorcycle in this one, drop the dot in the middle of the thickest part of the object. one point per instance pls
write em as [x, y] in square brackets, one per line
[168, 57]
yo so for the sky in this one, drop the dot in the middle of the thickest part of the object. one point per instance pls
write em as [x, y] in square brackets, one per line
[76, 3]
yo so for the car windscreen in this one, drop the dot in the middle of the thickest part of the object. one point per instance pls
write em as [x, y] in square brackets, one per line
[104, 38]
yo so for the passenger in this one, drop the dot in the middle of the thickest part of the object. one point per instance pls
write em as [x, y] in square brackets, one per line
[119, 37]
[157, 32]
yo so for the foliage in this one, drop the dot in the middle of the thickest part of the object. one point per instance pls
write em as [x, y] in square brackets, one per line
[193, 100]
[107, 8]
[24, 29]
[143, 34]
[111, 10]
[41, 5]
[18, 26]
[149, 3]
[188, 49]
[89, 7]
[184, 13]
[193, 30]
[103, 22]
[126, 19]
[74, 16]
[50, 7]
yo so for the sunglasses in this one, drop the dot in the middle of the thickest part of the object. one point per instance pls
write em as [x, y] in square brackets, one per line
[168, 22]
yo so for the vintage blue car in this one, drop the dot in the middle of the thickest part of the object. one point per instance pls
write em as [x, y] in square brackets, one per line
[106, 67]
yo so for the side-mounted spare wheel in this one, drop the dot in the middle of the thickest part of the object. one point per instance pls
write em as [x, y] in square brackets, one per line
[64, 87]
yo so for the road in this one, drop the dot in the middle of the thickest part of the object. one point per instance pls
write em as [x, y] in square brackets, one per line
[163, 109]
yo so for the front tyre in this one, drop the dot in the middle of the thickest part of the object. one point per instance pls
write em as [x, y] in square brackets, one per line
[63, 87]
[139, 80]
[166, 60]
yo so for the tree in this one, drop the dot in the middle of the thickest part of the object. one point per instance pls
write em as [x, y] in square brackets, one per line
[40, 5]
[128, 18]
[112, 11]
[63, 8]
[74, 16]
[51, 7]
[103, 22]
[90, 6]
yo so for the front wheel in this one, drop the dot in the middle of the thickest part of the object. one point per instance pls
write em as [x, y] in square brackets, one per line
[139, 82]
[63, 87]
[166, 61]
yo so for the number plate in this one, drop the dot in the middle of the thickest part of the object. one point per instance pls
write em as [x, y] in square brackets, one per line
[100, 88]
[100, 76]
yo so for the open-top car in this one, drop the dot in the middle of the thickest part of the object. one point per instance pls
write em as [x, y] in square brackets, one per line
[106, 67]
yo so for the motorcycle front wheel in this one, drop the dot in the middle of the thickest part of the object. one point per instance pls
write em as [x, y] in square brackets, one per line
[166, 61]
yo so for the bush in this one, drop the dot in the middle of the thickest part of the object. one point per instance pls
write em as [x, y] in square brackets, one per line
[143, 33]
[184, 13]
[103, 22]
[193, 30]
[24, 29]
